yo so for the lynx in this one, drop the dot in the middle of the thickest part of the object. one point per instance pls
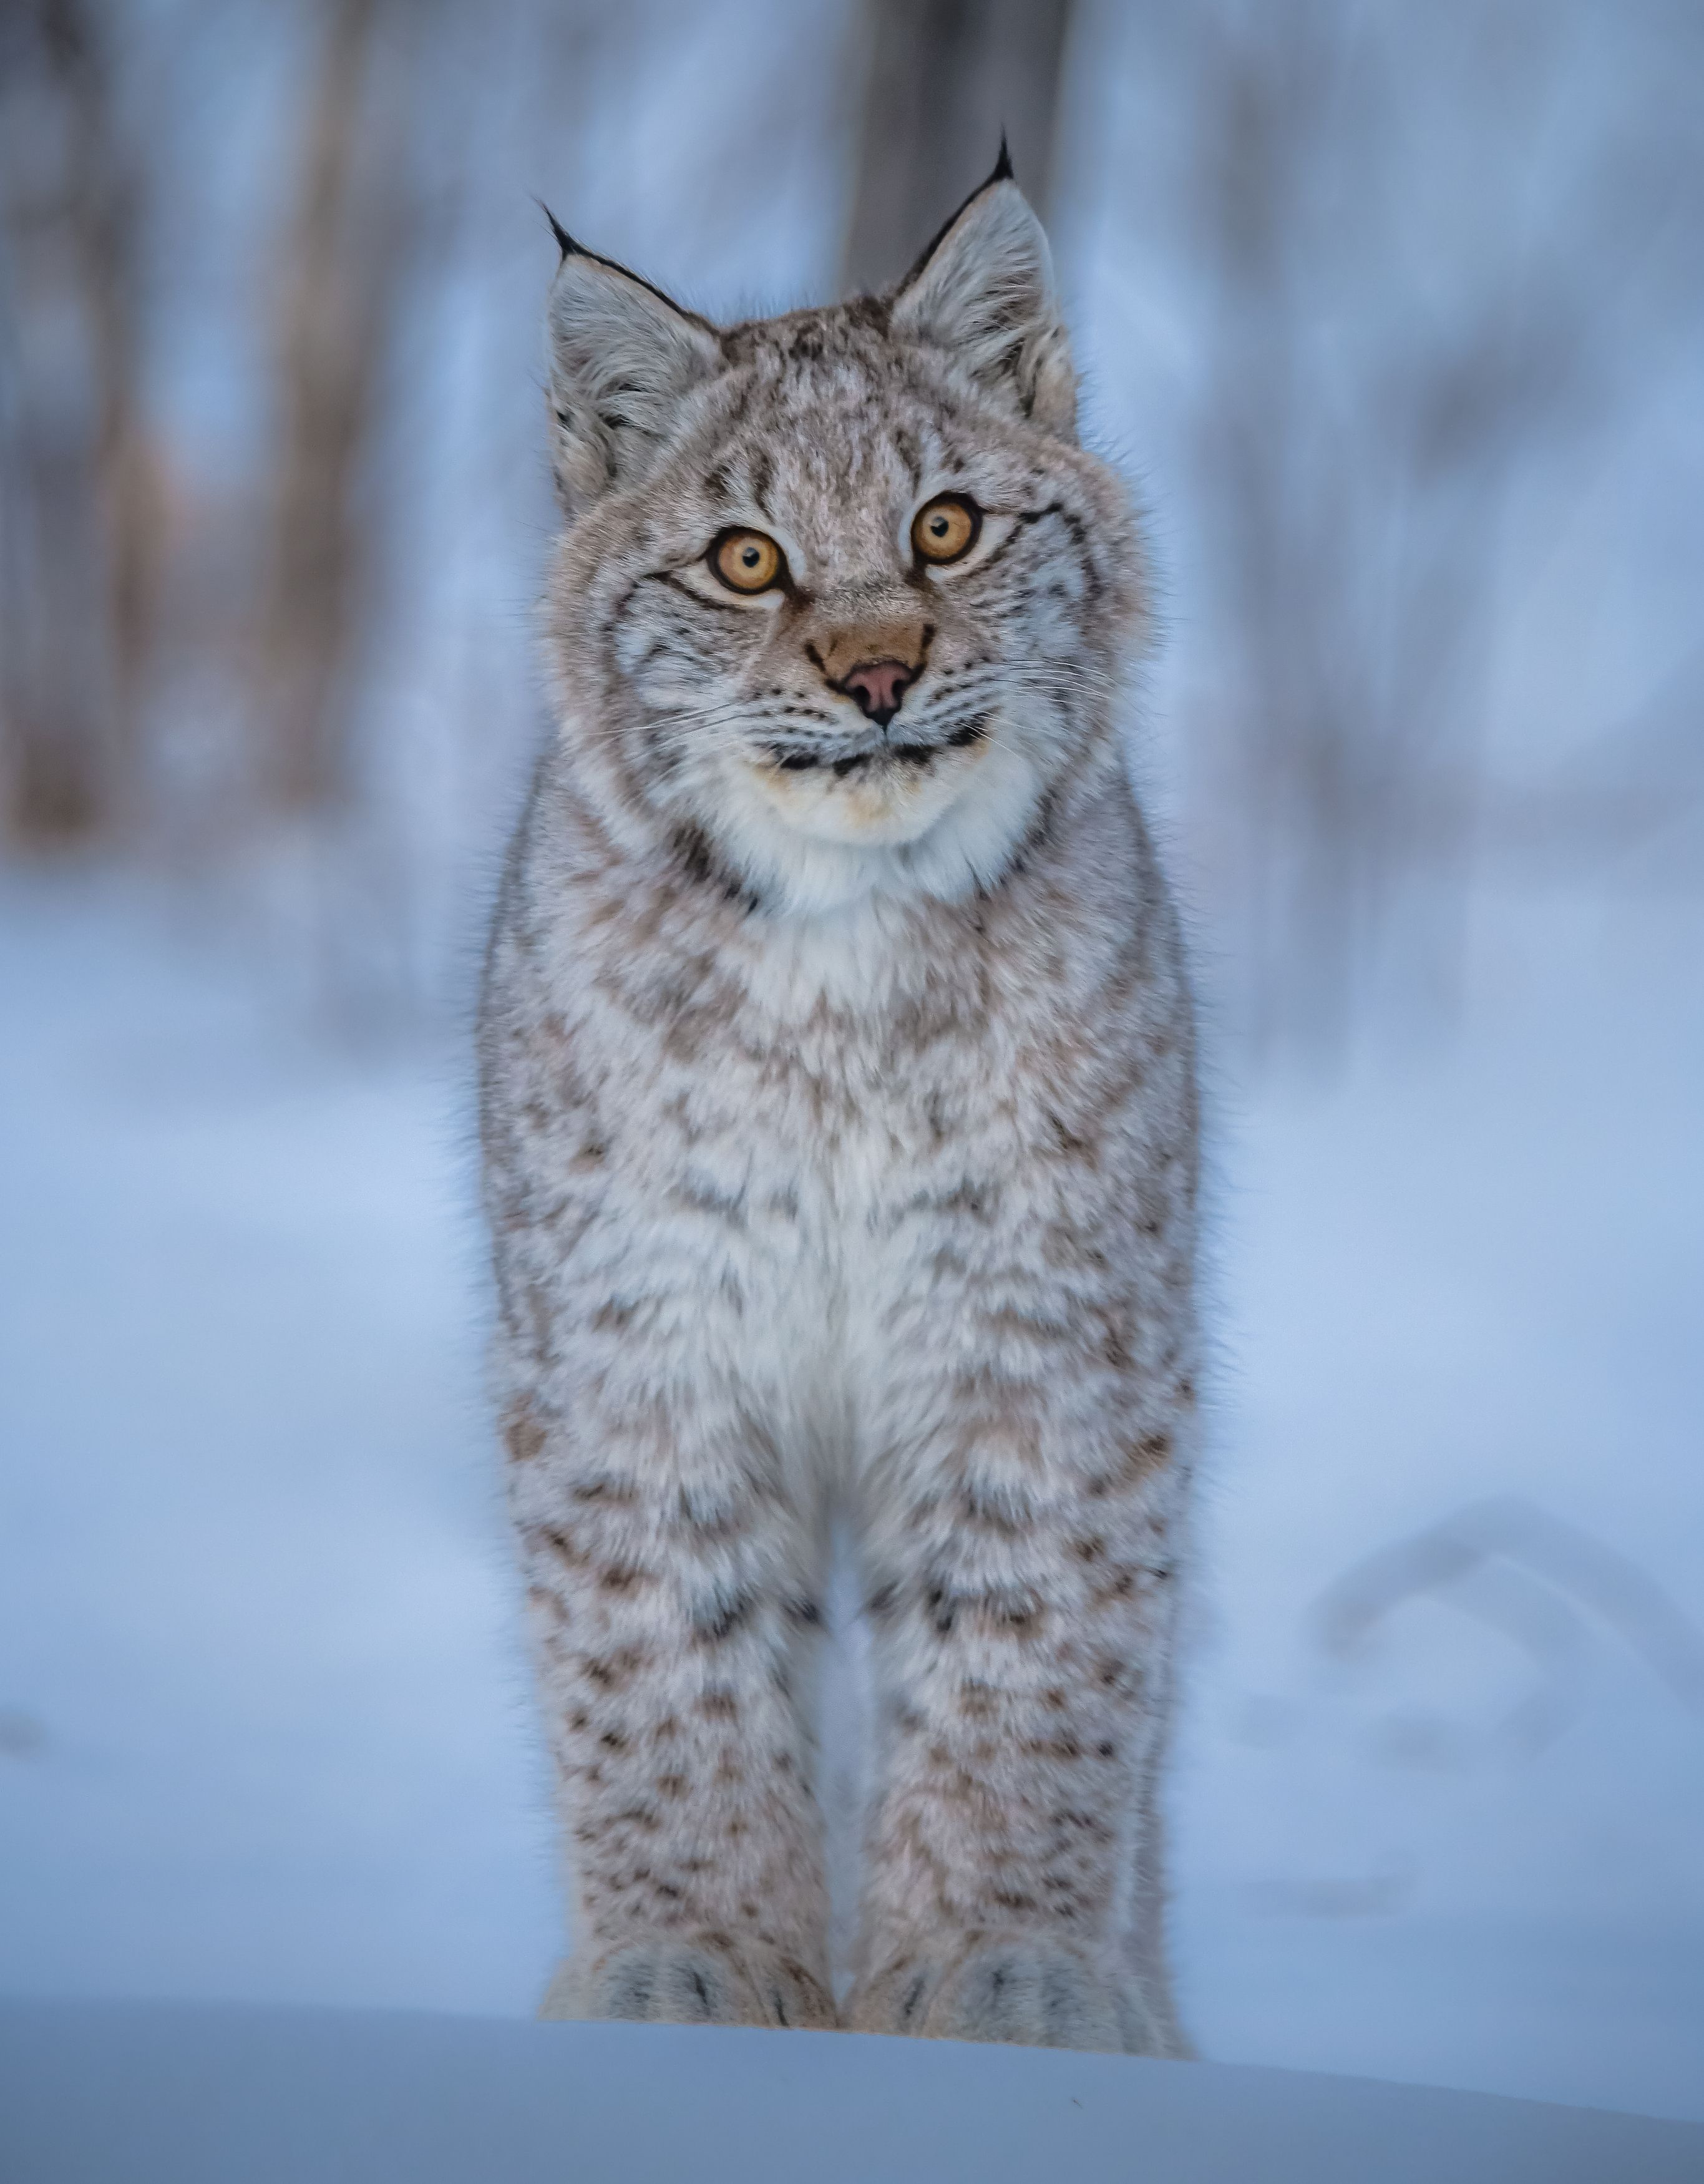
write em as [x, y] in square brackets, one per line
[839, 1126]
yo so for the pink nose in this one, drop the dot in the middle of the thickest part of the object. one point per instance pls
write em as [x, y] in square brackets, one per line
[879, 687]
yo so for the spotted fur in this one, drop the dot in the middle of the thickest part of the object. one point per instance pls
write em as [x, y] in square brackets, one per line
[840, 1130]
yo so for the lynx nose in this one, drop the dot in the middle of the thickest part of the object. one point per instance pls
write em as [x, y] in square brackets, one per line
[878, 687]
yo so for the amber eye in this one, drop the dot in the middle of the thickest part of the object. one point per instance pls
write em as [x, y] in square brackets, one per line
[746, 560]
[947, 529]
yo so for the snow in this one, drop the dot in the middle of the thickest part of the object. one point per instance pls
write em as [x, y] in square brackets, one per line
[265, 1731]
[1460, 1279]
[200, 2096]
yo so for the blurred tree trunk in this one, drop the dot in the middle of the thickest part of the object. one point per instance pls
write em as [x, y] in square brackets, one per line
[944, 78]
[78, 534]
[1356, 459]
[343, 262]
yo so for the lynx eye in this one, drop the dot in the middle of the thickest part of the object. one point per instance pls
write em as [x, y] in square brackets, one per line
[947, 529]
[746, 560]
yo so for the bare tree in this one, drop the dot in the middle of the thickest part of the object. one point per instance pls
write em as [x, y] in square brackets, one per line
[77, 558]
[1384, 379]
[344, 264]
[944, 79]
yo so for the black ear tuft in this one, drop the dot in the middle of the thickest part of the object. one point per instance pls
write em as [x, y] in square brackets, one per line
[1002, 172]
[564, 242]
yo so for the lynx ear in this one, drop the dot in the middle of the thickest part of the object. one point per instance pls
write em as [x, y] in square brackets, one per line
[623, 358]
[984, 290]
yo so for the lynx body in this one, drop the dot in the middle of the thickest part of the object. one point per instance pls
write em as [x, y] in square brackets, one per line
[840, 1129]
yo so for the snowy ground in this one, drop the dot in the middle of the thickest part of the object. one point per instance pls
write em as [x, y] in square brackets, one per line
[201, 2095]
[265, 1729]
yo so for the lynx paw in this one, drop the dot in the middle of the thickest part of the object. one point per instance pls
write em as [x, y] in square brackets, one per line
[1033, 1992]
[698, 1979]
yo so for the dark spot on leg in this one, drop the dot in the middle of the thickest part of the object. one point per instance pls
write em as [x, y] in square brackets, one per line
[523, 1433]
[723, 1621]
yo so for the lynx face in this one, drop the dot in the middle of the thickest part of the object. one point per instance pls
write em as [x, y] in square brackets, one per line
[843, 584]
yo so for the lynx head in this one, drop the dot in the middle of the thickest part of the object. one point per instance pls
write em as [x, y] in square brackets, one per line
[841, 603]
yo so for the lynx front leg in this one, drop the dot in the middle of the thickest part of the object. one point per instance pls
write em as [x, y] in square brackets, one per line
[1021, 1595]
[670, 1585]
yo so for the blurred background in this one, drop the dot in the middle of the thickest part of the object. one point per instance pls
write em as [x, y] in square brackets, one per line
[1393, 315]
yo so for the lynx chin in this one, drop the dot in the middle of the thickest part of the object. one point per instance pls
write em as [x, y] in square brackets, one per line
[839, 1126]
